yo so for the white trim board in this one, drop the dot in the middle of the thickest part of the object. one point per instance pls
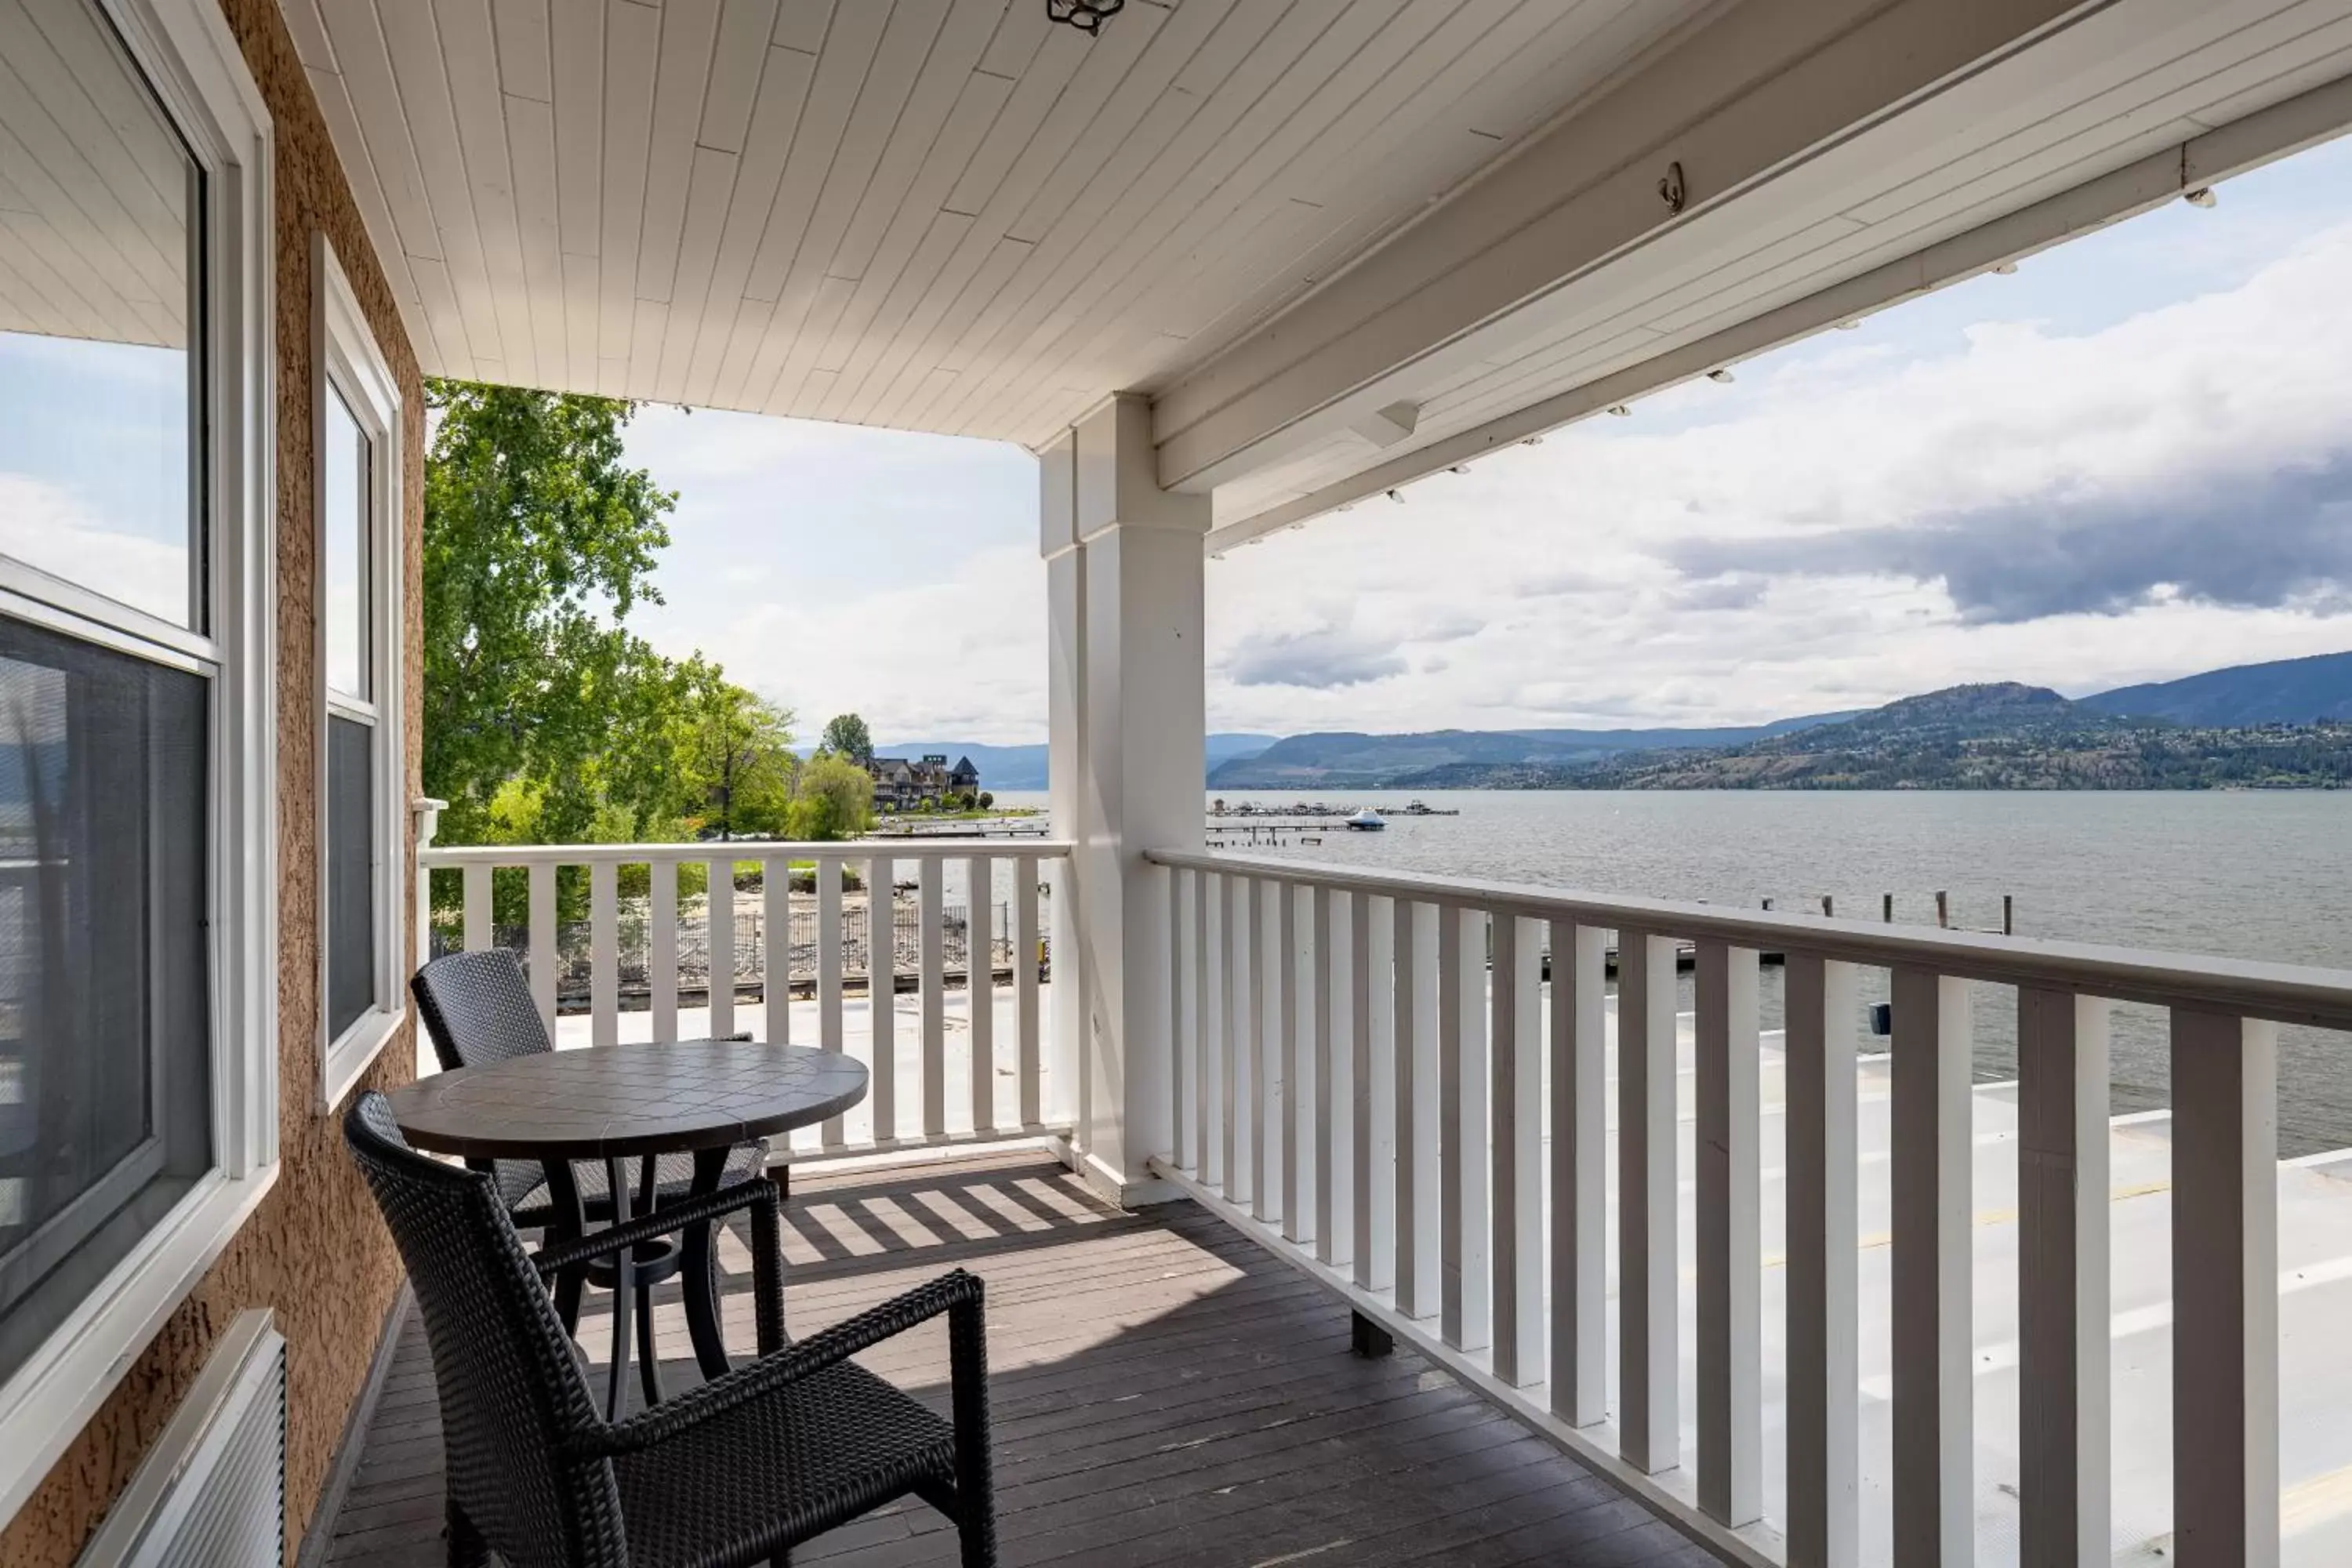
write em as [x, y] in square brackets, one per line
[345, 356]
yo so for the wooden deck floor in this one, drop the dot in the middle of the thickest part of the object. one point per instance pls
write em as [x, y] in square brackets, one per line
[1164, 1392]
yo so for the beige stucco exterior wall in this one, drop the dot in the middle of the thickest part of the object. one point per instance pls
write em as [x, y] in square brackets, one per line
[315, 1251]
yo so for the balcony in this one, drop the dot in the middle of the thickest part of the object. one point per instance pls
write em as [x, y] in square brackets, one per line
[1163, 1391]
[1396, 1107]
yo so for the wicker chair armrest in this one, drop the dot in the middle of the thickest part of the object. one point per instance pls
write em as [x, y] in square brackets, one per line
[955, 1293]
[670, 1216]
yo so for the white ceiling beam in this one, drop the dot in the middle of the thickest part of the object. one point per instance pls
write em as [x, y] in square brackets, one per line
[2262, 137]
[1747, 102]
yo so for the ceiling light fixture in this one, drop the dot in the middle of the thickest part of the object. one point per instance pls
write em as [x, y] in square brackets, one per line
[1086, 16]
[1458, 468]
[1849, 326]
[1620, 410]
[1723, 375]
[2007, 269]
[2202, 196]
[1397, 496]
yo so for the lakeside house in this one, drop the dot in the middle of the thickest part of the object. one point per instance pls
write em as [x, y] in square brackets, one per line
[926, 781]
[1222, 269]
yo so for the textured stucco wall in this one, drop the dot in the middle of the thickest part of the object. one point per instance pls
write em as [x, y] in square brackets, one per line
[316, 1250]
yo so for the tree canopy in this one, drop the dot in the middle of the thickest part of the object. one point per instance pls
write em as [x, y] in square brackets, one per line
[845, 735]
[546, 719]
[835, 799]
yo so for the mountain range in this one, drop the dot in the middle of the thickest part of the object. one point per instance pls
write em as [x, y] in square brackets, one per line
[2296, 691]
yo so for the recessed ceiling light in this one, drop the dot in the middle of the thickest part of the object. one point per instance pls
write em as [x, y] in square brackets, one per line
[2007, 269]
[1848, 326]
[1719, 375]
[1458, 468]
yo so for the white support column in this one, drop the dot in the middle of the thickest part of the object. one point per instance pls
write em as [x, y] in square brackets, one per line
[1127, 716]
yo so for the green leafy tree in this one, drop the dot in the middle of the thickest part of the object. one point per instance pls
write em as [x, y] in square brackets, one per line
[739, 751]
[835, 799]
[845, 735]
[539, 541]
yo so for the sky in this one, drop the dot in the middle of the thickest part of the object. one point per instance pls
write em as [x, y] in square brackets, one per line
[2130, 460]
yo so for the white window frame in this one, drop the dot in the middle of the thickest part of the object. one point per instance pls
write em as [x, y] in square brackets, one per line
[198, 74]
[346, 359]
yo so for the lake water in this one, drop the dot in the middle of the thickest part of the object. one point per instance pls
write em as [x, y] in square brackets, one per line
[2264, 875]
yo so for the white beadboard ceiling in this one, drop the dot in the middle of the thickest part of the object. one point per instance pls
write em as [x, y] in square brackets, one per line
[952, 216]
[944, 215]
[93, 188]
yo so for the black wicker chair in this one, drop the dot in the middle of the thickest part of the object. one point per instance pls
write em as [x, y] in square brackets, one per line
[730, 1473]
[477, 1009]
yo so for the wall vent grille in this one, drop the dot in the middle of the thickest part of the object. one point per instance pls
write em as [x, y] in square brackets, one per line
[212, 1493]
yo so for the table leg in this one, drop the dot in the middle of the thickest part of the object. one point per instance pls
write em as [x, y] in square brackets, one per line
[648, 1363]
[570, 1223]
[616, 1177]
[701, 1272]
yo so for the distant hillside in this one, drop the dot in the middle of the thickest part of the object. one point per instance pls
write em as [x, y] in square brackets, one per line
[1024, 767]
[2004, 736]
[2283, 691]
[1344, 760]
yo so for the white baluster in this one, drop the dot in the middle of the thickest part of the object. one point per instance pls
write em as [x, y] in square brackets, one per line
[1730, 1349]
[1417, 1187]
[776, 954]
[1516, 1151]
[1580, 1264]
[545, 959]
[1465, 1314]
[1270, 1136]
[719, 908]
[2225, 1346]
[1297, 1150]
[1649, 1416]
[1184, 1015]
[477, 879]
[1930, 1168]
[1240, 1075]
[1824, 1356]
[1371, 930]
[2064, 1329]
[829, 1031]
[980, 986]
[882, 993]
[661, 947]
[1334, 1110]
[1209, 1025]
[1025, 989]
[935, 999]
[604, 953]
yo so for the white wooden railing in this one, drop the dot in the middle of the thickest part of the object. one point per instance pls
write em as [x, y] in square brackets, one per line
[1011, 1087]
[1357, 1090]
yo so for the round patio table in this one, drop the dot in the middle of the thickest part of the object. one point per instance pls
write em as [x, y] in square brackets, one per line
[623, 1102]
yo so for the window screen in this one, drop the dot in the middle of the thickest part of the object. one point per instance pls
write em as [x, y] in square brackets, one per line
[351, 873]
[105, 1029]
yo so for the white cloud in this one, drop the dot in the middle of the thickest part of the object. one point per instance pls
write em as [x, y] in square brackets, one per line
[2115, 466]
